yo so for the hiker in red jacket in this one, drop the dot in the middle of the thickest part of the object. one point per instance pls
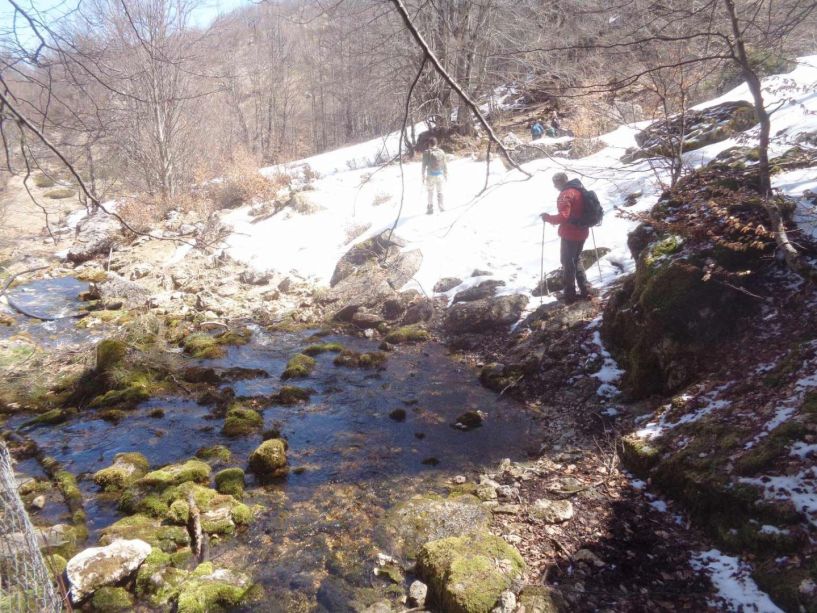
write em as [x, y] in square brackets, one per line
[570, 205]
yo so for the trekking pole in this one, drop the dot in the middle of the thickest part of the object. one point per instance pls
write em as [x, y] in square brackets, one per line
[542, 280]
[596, 249]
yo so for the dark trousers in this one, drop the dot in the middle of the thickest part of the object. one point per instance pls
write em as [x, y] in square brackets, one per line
[572, 269]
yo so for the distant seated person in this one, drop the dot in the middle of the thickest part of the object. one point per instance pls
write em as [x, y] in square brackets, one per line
[536, 130]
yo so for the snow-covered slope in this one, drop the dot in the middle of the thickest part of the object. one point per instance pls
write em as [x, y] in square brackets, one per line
[499, 231]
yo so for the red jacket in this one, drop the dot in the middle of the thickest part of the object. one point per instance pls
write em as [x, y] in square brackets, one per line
[570, 205]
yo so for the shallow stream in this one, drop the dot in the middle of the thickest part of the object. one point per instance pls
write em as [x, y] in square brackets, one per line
[316, 542]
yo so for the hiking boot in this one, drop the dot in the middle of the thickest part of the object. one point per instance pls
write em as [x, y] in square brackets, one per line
[429, 211]
[568, 298]
[440, 207]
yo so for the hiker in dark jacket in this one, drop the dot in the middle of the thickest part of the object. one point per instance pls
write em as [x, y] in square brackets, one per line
[435, 174]
[569, 205]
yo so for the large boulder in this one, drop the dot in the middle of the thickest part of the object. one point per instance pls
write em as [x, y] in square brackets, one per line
[698, 128]
[665, 319]
[428, 517]
[372, 272]
[485, 315]
[96, 235]
[116, 288]
[468, 574]
[96, 567]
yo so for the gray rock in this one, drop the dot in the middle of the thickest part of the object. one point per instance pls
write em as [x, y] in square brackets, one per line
[421, 310]
[38, 503]
[485, 315]
[96, 235]
[96, 567]
[116, 288]
[469, 420]
[418, 592]
[414, 522]
[699, 129]
[486, 289]
[255, 277]
[446, 284]
[588, 557]
[363, 320]
[506, 603]
[552, 511]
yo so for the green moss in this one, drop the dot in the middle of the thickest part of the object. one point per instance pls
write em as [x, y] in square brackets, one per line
[291, 394]
[202, 346]
[125, 470]
[238, 336]
[240, 422]
[314, 350]
[774, 446]
[216, 452]
[498, 377]
[269, 461]
[467, 574]
[178, 512]
[408, 334]
[50, 418]
[113, 416]
[662, 248]
[109, 599]
[110, 353]
[175, 474]
[59, 194]
[69, 488]
[55, 564]
[352, 359]
[43, 181]
[221, 526]
[231, 481]
[202, 597]
[637, 454]
[157, 582]
[132, 527]
[241, 514]
[300, 365]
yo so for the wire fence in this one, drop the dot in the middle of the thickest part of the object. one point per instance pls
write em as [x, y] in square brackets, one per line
[25, 584]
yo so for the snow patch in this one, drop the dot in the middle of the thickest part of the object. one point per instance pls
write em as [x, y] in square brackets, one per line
[734, 584]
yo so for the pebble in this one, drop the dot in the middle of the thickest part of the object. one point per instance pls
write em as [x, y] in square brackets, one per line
[38, 503]
[459, 480]
[513, 539]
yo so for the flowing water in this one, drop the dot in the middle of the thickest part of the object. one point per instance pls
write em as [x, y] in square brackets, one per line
[315, 542]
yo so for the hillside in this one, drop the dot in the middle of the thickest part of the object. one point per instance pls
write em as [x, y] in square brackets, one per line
[416, 417]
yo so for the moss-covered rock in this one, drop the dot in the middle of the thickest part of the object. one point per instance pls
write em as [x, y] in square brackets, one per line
[637, 454]
[109, 599]
[498, 377]
[178, 511]
[408, 334]
[299, 365]
[291, 394]
[174, 474]
[231, 481]
[218, 453]
[110, 353]
[467, 574]
[269, 461]
[157, 581]
[427, 517]
[241, 422]
[126, 469]
[210, 589]
[353, 359]
[203, 346]
[314, 350]
[661, 323]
